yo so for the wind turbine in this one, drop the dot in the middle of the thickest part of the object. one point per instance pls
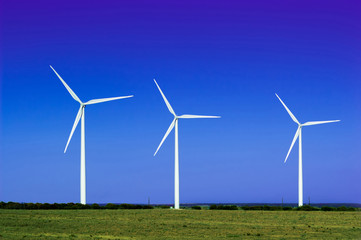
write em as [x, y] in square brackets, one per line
[299, 136]
[176, 161]
[81, 114]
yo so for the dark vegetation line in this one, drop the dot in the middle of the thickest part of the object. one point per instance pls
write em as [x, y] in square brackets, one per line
[36, 206]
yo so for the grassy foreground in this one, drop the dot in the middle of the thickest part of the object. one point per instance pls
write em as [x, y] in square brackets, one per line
[178, 224]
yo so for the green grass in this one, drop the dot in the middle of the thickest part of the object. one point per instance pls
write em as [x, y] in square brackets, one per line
[178, 224]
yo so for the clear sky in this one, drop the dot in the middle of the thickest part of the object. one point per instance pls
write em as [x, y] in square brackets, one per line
[209, 57]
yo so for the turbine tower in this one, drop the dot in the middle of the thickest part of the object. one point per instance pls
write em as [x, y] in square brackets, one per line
[81, 115]
[299, 136]
[176, 160]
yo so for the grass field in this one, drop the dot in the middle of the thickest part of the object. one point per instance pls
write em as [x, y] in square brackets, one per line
[181, 224]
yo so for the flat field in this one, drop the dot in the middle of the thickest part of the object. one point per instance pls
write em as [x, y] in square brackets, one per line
[178, 224]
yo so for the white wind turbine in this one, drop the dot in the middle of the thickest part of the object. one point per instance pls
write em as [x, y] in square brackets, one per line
[176, 162]
[81, 114]
[299, 136]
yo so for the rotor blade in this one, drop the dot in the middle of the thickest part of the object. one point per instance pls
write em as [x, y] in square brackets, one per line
[166, 135]
[289, 112]
[197, 116]
[77, 118]
[318, 122]
[67, 87]
[293, 142]
[105, 99]
[165, 100]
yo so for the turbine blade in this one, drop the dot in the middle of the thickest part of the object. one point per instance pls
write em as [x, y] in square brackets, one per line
[197, 116]
[289, 112]
[77, 118]
[165, 100]
[318, 122]
[293, 142]
[67, 87]
[106, 99]
[166, 135]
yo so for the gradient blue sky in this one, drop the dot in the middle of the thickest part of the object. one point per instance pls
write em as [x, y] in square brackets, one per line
[223, 58]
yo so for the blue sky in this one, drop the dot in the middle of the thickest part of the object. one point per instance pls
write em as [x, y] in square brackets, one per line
[209, 58]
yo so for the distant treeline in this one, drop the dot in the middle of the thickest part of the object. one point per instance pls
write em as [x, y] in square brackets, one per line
[35, 206]
[280, 208]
